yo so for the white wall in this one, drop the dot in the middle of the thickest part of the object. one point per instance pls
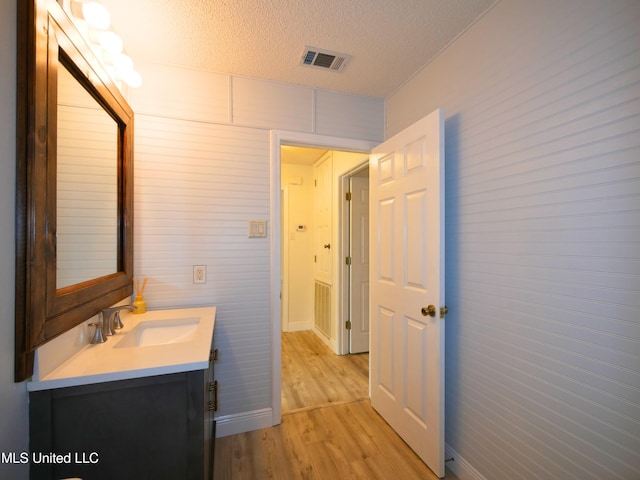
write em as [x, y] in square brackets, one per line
[298, 180]
[13, 396]
[542, 104]
[202, 153]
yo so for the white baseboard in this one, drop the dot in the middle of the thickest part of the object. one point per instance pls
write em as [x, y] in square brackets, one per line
[329, 342]
[459, 466]
[243, 422]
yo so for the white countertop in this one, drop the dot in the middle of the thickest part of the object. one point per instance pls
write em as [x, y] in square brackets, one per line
[107, 362]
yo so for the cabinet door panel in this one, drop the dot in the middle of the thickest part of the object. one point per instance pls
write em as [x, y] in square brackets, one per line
[142, 428]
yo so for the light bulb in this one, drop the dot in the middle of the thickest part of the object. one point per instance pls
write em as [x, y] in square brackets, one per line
[111, 42]
[123, 63]
[132, 78]
[96, 15]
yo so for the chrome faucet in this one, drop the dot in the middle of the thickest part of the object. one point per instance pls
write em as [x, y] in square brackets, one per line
[98, 337]
[111, 319]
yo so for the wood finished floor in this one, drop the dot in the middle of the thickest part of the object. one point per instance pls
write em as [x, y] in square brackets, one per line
[313, 376]
[329, 429]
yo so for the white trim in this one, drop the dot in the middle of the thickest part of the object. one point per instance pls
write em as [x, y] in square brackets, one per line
[284, 296]
[459, 466]
[279, 138]
[324, 339]
[243, 422]
[342, 337]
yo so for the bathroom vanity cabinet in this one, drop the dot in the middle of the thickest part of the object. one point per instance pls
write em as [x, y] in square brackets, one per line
[157, 427]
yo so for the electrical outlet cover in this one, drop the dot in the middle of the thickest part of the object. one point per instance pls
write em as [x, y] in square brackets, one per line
[199, 274]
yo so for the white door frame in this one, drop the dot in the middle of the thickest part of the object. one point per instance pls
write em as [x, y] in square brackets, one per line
[343, 278]
[279, 138]
[284, 282]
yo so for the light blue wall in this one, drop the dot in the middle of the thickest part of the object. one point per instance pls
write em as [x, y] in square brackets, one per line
[542, 104]
[13, 397]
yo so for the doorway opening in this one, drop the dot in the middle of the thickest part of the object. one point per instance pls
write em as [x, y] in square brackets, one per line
[280, 191]
[324, 211]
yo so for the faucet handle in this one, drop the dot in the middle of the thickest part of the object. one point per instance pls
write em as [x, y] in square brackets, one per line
[107, 323]
[117, 323]
[111, 319]
[98, 337]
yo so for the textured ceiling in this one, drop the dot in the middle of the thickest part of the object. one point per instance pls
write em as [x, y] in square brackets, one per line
[389, 40]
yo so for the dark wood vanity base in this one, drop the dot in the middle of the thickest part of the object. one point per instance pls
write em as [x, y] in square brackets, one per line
[143, 428]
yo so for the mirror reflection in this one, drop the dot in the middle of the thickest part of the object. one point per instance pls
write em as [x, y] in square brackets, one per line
[87, 186]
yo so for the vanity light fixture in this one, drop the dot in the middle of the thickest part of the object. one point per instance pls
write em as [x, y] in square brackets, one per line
[132, 78]
[94, 21]
[94, 13]
[110, 41]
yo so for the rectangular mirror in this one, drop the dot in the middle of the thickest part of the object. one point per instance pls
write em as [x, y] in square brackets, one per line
[87, 186]
[74, 182]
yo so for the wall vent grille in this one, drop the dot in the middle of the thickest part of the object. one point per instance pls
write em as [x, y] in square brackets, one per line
[322, 308]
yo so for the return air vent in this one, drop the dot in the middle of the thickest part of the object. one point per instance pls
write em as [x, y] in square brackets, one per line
[319, 58]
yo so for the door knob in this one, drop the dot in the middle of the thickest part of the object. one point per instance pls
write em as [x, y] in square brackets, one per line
[429, 311]
[327, 245]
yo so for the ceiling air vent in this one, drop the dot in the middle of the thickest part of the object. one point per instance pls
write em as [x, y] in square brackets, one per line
[319, 58]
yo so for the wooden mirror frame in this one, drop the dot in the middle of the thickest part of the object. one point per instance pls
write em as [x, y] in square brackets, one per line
[47, 41]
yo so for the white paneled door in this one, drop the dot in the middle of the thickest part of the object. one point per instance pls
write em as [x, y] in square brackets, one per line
[407, 286]
[323, 171]
[359, 269]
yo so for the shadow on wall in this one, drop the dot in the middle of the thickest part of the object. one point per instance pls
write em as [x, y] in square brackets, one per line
[452, 258]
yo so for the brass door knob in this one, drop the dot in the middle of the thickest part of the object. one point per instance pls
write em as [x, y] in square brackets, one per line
[429, 311]
[327, 246]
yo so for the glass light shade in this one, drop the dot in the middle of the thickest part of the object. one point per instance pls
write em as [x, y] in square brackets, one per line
[111, 42]
[132, 78]
[96, 15]
[123, 63]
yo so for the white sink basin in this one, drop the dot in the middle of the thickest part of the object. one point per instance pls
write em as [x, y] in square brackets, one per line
[158, 342]
[160, 332]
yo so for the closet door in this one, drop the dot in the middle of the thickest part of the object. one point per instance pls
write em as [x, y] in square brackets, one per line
[323, 194]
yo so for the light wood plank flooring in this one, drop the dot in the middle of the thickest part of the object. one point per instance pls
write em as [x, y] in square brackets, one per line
[313, 376]
[329, 429]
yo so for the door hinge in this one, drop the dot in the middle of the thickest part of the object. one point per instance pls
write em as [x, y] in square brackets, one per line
[315, 259]
[443, 311]
[348, 324]
[315, 182]
[348, 196]
[347, 261]
[213, 404]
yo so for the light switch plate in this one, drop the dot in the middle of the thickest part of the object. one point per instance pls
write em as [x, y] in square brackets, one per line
[257, 228]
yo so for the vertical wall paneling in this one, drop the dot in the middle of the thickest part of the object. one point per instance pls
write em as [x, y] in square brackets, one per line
[351, 116]
[543, 237]
[265, 104]
[182, 93]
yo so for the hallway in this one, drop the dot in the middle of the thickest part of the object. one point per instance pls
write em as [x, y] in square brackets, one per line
[313, 376]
